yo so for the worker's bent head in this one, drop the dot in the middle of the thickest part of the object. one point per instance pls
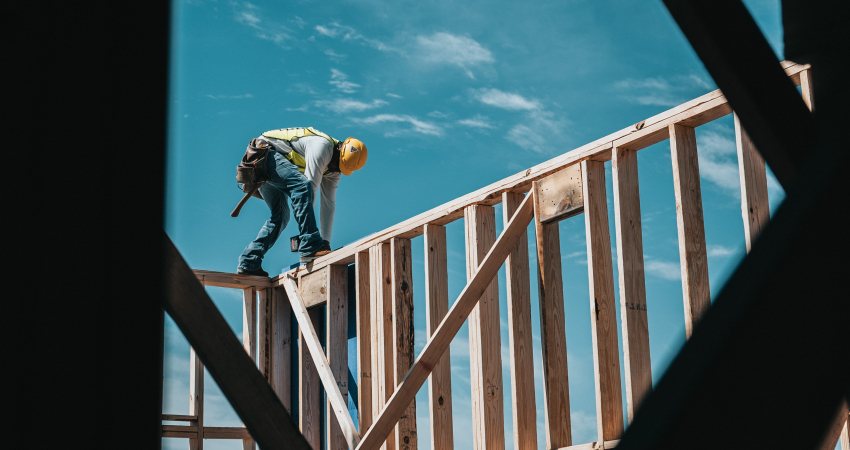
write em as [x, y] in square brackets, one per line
[352, 155]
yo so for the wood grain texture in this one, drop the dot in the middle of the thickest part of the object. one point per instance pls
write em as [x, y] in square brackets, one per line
[313, 287]
[196, 399]
[442, 337]
[281, 347]
[521, 350]
[309, 342]
[309, 385]
[485, 349]
[263, 331]
[553, 337]
[559, 195]
[603, 313]
[632, 278]
[806, 89]
[402, 302]
[231, 280]
[249, 321]
[382, 331]
[336, 339]
[690, 224]
[364, 340]
[755, 208]
[437, 305]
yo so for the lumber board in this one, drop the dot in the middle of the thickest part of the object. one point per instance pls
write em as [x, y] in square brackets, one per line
[553, 339]
[690, 224]
[196, 399]
[364, 340]
[249, 321]
[313, 287]
[485, 349]
[603, 313]
[231, 280]
[402, 319]
[437, 305]
[336, 340]
[180, 417]
[281, 347]
[309, 384]
[631, 277]
[755, 208]
[263, 331]
[382, 327]
[521, 349]
[442, 337]
[597, 445]
[560, 194]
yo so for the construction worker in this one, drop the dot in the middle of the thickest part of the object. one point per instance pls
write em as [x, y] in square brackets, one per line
[304, 160]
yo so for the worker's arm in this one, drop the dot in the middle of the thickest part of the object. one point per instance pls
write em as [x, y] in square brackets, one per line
[330, 181]
[317, 155]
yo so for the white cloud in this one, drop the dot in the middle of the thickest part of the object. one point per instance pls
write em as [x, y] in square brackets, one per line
[720, 251]
[659, 91]
[666, 270]
[450, 49]
[230, 97]
[345, 105]
[393, 95]
[417, 125]
[540, 132]
[476, 122]
[506, 100]
[330, 53]
[340, 81]
[718, 162]
[336, 30]
[248, 14]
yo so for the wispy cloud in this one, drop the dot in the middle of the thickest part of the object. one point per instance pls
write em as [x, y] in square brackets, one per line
[661, 91]
[505, 100]
[450, 49]
[476, 122]
[244, 96]
[718, 162]
[340, 81]
[338, 31]
[333, 55]
[416, 125]
[540, 132]
[248, 14]
[720, 251]
[344, 105]
[393, 95]
[666, 270]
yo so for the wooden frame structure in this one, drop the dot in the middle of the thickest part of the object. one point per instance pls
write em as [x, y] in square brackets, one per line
[390, 375]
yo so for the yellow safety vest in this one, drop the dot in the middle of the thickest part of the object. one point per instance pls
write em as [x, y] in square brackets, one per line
[292, 135]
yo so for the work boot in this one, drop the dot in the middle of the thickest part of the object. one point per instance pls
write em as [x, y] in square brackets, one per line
[324, 250]
[258, 272]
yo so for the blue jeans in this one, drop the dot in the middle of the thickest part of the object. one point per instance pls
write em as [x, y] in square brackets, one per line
[285, 183]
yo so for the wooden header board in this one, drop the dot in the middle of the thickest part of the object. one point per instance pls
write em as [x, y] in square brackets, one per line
[560, 195]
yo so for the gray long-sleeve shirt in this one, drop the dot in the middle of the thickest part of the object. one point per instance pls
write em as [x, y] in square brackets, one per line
[317, 152]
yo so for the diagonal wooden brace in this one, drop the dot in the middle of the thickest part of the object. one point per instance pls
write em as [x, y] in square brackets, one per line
[340, 408]
[442, 337]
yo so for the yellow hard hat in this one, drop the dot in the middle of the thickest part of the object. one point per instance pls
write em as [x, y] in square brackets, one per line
[352, 155]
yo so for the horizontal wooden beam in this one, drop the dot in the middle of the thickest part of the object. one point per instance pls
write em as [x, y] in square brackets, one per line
[337, 402]
[442, 337]
[644, 133]
[188, 431]
[231, 280]
[179, 417]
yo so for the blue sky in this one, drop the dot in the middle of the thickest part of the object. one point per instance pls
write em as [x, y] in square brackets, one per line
[448, 98]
